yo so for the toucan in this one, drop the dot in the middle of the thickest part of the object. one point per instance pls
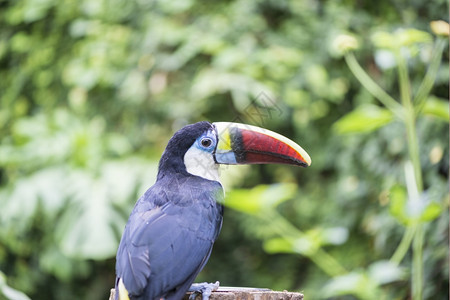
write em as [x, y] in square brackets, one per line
[170, 233]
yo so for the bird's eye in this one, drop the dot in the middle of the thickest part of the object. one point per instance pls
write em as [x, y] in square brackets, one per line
[206, 142]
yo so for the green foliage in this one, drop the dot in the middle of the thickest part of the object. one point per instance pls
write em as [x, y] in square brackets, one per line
[9, 292]
[407, 212]
[260, 198]
[364, 119]
[364, 284]
[91, 91]
[438, 108]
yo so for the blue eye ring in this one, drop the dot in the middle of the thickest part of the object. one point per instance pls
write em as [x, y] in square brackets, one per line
[206, 142]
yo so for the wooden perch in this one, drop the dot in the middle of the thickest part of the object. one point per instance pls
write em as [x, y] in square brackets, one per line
[237, 293]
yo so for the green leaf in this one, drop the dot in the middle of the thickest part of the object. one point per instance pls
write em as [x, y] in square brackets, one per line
[355, 283]
[436, 107]
[90, 226]
[9, 292]
[383, 39]
[431, 212]
[400, 38]
[398, 200]
[411, 36]
[54, 262]
[242, 200]
[43, 190]
[385, 271]
[260, 198]
[364, 283]
[364, 119]
[278, 245]
[405, 211]
[305, 245]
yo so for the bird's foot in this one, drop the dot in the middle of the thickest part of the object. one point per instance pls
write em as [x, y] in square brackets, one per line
[203, 288]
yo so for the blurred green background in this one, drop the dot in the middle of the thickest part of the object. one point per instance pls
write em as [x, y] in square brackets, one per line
[92, 90]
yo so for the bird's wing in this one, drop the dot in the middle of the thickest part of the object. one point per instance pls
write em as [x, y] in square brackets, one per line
[163, 249]
[132, 261]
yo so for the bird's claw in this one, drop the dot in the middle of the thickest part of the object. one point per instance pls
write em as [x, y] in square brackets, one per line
[203, 288]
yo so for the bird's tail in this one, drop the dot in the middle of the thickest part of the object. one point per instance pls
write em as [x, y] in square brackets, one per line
[121, 291]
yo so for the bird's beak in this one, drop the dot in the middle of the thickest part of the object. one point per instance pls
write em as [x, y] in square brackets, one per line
[246, 144]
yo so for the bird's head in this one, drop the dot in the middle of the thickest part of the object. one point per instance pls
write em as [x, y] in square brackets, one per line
[199, 148]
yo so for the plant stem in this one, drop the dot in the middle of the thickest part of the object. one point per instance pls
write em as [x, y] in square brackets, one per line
[403, 247]
[405, 88]
[417, 272]
[413, 146]
[419, 100]
[327, 263]
[372, 86]
[428, 81]
[409, 119]
[319, 256]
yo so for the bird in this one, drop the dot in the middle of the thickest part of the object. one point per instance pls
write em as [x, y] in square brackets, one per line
[170, 233]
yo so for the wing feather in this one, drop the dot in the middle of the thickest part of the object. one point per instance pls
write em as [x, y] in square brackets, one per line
[166, 243]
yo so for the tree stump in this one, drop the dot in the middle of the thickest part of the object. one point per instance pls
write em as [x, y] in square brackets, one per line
[243, 293]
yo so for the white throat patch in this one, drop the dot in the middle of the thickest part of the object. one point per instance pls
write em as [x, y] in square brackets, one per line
[201, 163]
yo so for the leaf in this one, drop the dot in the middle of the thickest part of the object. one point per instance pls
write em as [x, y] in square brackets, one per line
[385, 271]
[42, 190]
[278, 245]
[87, 227]
[438, 108]
[364, 284]
[54, 262]
[9, 292]
[431, 212]
[407, 211]
[410, 36]
[398, 200]
[400, 38]
[354, 283]
[334, 236]
[213, 81]
[383, 39]
[90, 226]
[242, 201]
[260, 198]
[364, 119]
[304, 245]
